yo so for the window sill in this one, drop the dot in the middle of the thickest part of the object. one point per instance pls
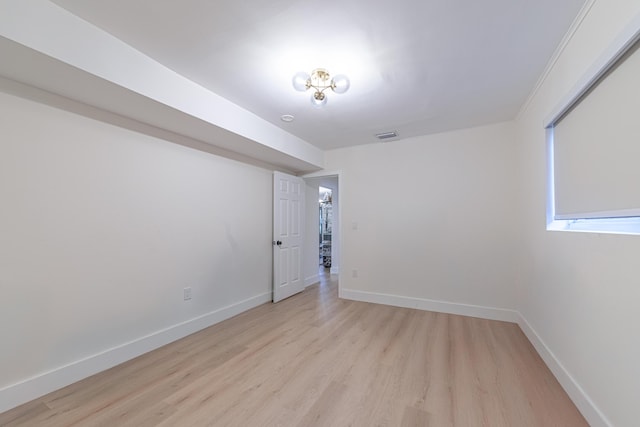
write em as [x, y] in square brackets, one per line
[600, 225]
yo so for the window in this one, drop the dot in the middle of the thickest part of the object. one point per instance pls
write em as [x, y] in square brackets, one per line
[594, 147]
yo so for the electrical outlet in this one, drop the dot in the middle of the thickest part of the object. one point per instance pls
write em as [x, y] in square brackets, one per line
[187, 293]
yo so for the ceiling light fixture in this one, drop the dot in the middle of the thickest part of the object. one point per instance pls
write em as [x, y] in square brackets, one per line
[320, 80]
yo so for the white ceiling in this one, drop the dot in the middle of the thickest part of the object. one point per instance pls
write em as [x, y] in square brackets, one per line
[416, 66]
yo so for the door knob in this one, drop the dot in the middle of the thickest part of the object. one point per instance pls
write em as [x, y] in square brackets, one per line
[278, 243]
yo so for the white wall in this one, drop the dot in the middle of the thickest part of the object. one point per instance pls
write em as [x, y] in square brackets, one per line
[101, 229]
[430, 219]
[581, 292]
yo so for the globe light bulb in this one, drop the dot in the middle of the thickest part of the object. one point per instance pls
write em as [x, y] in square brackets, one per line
[340, 83]
[318, 99]
[301, 81]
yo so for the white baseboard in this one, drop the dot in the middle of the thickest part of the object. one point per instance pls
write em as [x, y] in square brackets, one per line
[311, 280]
[582, 401]
[37, 386]
[432, 305]
[585, 405]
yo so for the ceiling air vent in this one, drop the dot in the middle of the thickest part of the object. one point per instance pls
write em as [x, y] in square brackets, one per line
[386, 135]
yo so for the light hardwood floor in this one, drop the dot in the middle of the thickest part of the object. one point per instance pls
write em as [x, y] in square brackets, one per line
[315, 360]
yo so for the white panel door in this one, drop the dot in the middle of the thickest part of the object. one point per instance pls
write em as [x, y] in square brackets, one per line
[288, 228]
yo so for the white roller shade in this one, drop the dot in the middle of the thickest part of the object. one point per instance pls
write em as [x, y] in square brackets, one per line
[597, 148]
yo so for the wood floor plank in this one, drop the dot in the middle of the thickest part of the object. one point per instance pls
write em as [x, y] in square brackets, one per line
[413, 417]
[316, 360]
[323, 413]
[24, 414]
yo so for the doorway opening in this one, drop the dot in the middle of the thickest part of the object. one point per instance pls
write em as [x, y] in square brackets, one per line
[326, 226]
[322, 219]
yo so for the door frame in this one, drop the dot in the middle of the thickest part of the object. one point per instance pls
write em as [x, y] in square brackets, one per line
[340, 185]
